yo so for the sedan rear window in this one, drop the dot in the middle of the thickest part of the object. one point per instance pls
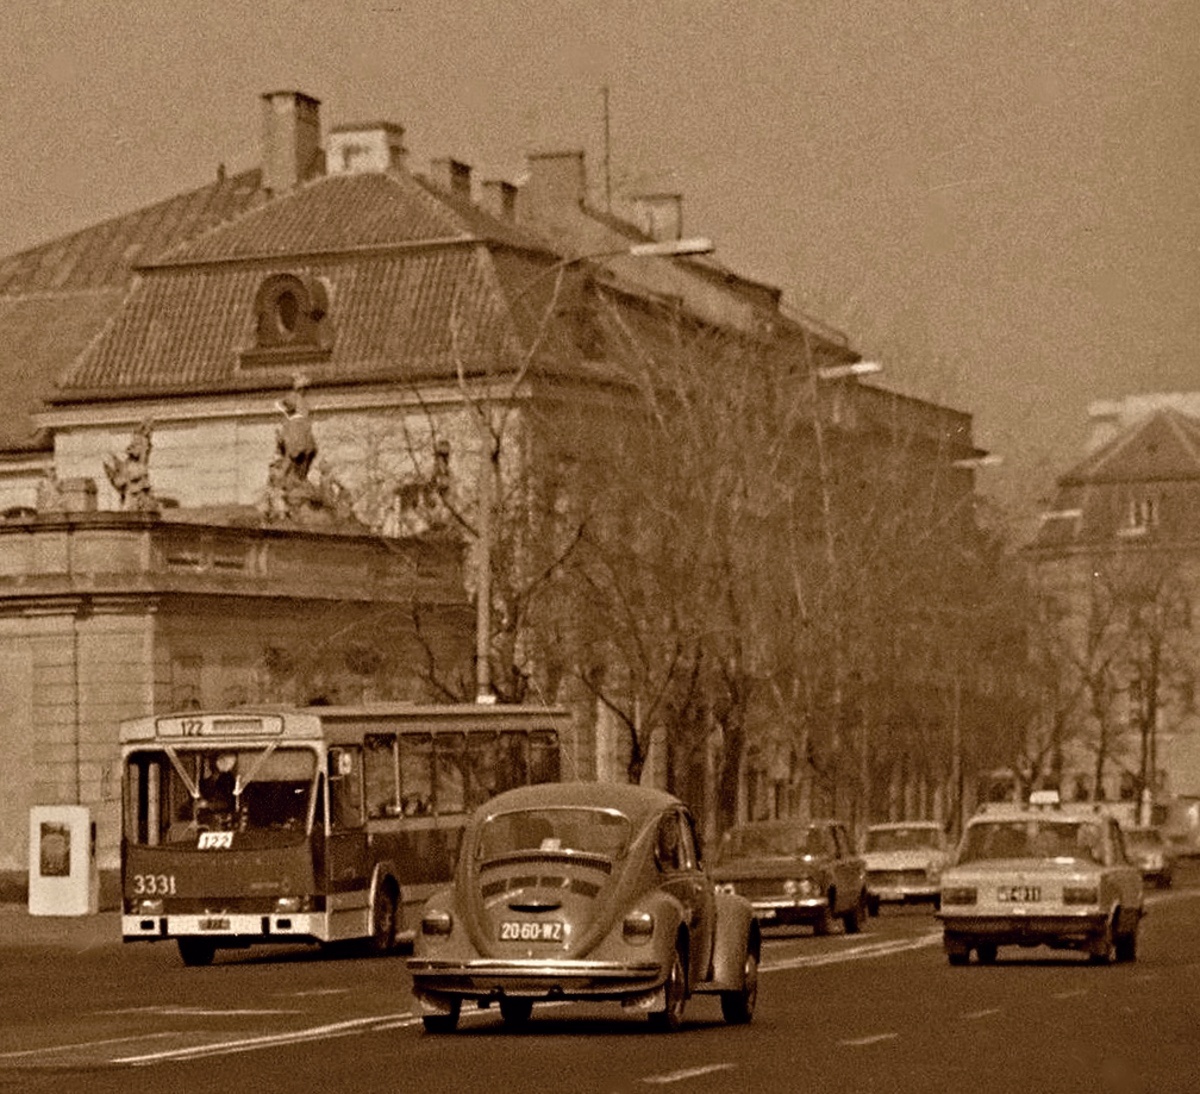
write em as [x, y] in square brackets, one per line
[1032, 839]
[775, 841]
[590, 831]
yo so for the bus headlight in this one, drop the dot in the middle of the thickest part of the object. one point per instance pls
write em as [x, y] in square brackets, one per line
[287, 904]
[147, 907]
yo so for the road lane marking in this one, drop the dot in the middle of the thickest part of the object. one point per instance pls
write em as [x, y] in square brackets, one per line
[200, 1012]
[686, 1073]
[1073, 994]
[875, 949]
[315, 991]
[873, 1039]
[269, 1040]
[974, 1015]
[87, 1044]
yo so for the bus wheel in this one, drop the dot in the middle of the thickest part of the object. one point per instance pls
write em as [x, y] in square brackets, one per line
[383, 920]
[197, 951]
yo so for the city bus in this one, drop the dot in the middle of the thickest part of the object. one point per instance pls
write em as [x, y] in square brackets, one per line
[313, 824]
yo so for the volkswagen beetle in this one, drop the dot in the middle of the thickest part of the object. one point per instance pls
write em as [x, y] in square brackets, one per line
[583, 891]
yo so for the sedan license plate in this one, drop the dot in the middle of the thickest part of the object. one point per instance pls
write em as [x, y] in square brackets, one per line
[528, 930]
[1019, 894]
[214, 924]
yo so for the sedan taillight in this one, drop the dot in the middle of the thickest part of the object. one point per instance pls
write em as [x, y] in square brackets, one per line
[959, 894]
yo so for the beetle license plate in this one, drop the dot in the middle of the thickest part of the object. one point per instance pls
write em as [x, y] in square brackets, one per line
[527, 930]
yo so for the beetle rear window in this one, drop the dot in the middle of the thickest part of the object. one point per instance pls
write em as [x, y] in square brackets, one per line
[592, 831]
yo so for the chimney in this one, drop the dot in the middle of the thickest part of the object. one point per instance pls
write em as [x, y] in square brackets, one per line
[556, 179]
[365, 146]
[291, 140]
[451, 174]
[660, 216]
[499, 198]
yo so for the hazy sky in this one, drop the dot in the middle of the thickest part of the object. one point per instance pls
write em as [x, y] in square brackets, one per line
[996, 199]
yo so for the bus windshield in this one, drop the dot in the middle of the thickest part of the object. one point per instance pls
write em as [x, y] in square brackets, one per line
[173, 794]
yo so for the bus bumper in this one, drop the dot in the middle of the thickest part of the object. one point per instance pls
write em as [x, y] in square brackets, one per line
[237, 929]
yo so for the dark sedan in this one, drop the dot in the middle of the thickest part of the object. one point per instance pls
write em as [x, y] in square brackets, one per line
[795, 871]
[583, 891]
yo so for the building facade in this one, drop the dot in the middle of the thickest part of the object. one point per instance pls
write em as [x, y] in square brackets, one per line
[437, 339]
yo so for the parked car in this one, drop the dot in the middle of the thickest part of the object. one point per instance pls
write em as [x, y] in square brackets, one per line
[583, 891]
[1030, 875]
[904, 862]
[795, 872]
[1152, 853]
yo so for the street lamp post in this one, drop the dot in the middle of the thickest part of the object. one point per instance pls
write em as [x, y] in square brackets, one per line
[489, 451]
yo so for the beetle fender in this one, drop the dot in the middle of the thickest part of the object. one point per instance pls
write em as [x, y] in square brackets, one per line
[736, 929]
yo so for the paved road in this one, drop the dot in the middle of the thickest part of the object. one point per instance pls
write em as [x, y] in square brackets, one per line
[879, 1012]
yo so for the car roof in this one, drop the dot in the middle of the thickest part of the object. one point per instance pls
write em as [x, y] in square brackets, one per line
[779, 825]
[1057, 816]
[891, 826]
[636, 802]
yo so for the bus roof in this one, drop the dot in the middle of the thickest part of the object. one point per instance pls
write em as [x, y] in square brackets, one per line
[317, 722]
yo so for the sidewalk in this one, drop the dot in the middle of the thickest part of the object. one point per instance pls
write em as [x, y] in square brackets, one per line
[74, 932]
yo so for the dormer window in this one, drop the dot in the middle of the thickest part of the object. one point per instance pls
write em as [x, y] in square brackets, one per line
[291, 320]
[1141, 517]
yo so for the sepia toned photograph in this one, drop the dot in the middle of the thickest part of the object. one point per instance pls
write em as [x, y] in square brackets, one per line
[599, 547]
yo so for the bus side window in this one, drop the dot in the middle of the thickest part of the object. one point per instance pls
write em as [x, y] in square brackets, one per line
[416, 774]
[380, 775]
[345, 788]
[449, 754]
[481, 768]
[543, 756]
[512, 768]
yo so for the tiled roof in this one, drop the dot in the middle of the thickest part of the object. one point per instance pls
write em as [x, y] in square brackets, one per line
[397, 316]
[420, 282]
[103, 255]
[1163, 445]
[56, 298]
[332, 213]
[1156, 462]
[38, 336]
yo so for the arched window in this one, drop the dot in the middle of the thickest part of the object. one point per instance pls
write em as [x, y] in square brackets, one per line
[291, 318]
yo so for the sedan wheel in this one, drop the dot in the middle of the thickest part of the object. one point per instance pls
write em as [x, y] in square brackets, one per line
[1104, 949]
[824, 922]
[737, 1007]
[670, 1018]
[986, 954]
[854, 919]
[1127, 946]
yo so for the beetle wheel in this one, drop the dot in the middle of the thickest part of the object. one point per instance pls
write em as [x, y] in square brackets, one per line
[737, 1007]
[443, 1023]
[514, 1011]
[670, 1018]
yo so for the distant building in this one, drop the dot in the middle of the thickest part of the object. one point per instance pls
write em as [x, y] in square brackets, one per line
[1118, 553]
